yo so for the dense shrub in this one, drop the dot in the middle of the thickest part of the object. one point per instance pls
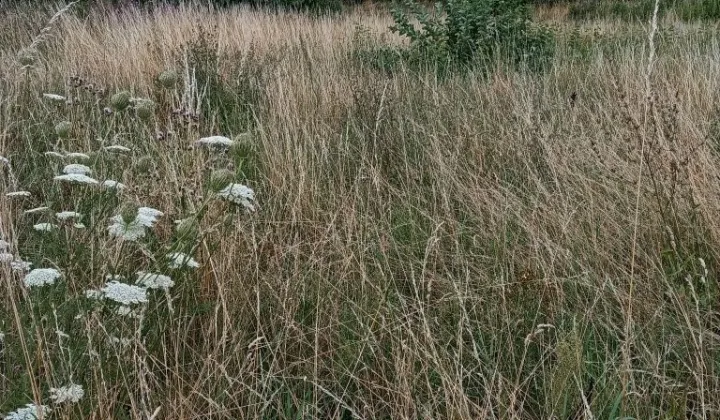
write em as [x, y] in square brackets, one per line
[472, 31]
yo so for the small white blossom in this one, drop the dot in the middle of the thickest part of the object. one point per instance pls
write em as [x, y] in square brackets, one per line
[54, 97]
[41, 277]
[180, 260]
[78, 178]
[94, 294]
[154, 281]
[110, 184]
[125, 294]
[239, 194]
[18, 194]
[45, 227]
[36, 210]
[71, 393]
[215, 141]
[77, 155]
[29, 412]
[65, 215]
[117, 148]
[127, 231]
[147, 216]
[55, 155]
[20, 266]
[76, 168]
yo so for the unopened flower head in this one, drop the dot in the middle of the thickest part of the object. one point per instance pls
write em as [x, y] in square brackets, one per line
[76, 168]
[70, 393]
[125, 294]
[180, 260]
[239, 194]
[18, 194]
[41, 277]
[120, 100]
[45, 227]
[128, 231]
[76, 178]
[29, 412]
[154, 281]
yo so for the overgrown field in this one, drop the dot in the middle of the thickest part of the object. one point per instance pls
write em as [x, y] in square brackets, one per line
[368, 238]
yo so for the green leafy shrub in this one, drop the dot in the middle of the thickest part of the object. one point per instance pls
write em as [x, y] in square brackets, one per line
[472, 31]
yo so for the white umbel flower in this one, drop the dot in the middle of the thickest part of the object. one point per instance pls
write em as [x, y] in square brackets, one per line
[180, 260]
[36, 210]
[76, 178]
[76, 168]
[117, 148]
[127, 231]
[70, 393]
[239, 194]
[52, 97]
[147, 216]
[80, 156]
[65, 215]
[215, 141]
[110, 184]
[125, 294]
[154, 281]
[6, 258]
[45, 227]
[29, 412]
[41, 277]
[18, 194]
[20, 266]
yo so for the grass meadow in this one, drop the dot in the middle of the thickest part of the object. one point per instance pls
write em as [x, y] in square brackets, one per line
[363, 241]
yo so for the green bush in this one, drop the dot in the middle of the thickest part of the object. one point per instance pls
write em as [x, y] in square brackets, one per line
[474, 31]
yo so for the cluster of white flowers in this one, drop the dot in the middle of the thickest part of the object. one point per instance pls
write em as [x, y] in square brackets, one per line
[110, 184]
[180, 260]
[20, 266]
[76, 178]
[54, 97]
[239, 194]
[6, 257]
[18, 194]
[125, 294]
[65, 215]
[117, 148]
[135, 229]
[154, 281]
[29, 412]
[45, 227]
[41, 277]
[70, 393]
[76, 168]
[215, 141]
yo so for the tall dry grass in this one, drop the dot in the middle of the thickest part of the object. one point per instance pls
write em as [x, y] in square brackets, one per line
[425, 248]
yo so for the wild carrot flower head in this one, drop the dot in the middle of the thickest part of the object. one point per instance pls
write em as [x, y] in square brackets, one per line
[125, 294]
[41, 277]
[221, 142]
[76, 179]
[180, 260]
[45, 227]
[70, 393]
[52, 97]
[65, 215]
[154, 281]
[29, 412]
[239, 194]
[76, 168]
